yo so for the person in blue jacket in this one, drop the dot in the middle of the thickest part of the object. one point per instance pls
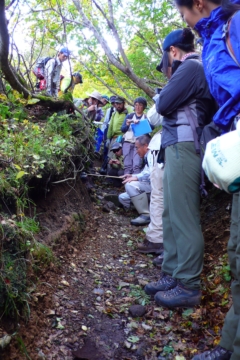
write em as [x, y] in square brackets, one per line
[218, 23]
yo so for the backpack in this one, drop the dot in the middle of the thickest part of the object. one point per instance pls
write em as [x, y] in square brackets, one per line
[39, 68]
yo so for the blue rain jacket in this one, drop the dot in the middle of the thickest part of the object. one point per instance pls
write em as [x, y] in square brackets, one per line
[222, 73]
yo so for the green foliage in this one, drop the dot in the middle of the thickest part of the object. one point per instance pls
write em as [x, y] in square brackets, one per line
[139, 294]
[28, 152]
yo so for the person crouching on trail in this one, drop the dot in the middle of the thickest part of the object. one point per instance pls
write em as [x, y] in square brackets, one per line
[138, 187]
[115, 165]
[52, 72]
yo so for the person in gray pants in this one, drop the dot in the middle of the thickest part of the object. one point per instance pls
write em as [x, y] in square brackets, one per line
[138, 187]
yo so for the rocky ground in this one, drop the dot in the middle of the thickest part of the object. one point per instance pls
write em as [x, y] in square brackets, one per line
[82, 308]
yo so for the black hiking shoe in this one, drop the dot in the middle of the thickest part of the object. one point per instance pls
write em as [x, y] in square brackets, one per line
[218, 353]
[148, 247]
[166, 282]
[179, 296]
[158, 260]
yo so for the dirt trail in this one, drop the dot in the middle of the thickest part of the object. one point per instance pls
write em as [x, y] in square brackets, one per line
[84, 297]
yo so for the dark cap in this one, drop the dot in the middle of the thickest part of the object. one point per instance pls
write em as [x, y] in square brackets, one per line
[141, 100]
[116, 146]
[112, 99]
[119, 99]
[164, 63]
[175, 37]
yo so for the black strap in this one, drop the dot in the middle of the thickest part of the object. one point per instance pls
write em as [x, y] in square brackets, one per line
[194, 125]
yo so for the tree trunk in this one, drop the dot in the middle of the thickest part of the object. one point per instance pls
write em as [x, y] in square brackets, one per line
[6, 68]
[1, 86]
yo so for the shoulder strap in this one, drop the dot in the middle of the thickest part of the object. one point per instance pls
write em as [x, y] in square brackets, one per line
[228, 40]
[194, 125]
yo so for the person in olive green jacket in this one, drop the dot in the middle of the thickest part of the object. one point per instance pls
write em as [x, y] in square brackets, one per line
[117, 119]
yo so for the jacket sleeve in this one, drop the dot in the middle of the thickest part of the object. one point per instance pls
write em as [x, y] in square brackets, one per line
[110, 128]
[144, 175]
[99, 114]
[49, 72]
[125, 127]
[172, 95]
[231, 108]
[106, 120]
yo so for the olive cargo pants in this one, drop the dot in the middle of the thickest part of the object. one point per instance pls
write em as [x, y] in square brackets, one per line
[182, 235]
[231, 330]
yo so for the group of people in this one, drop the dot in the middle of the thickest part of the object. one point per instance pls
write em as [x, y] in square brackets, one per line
[198, 90]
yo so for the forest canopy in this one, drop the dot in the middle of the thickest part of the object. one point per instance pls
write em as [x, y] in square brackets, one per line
[115, 44]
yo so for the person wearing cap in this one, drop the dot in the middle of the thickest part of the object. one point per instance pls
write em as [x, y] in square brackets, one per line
[132, 161]
[94, 102]
[184, 101]
[138, 186]
[115, 165]
[52, 71]
[105, 100]
[68, 83]
[114, 129]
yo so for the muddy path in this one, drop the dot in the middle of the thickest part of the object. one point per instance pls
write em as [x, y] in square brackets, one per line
[80, 307]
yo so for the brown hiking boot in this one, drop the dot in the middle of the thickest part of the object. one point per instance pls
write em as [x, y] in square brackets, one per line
[148, 247]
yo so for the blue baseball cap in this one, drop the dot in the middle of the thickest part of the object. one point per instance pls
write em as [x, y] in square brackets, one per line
[174, 38]
[105, 97]
[65, 51]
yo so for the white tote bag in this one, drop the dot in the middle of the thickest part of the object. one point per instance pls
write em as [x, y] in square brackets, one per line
[221, 161]
[154, 117]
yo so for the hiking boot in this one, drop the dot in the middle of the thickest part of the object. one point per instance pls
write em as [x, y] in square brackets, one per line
[158, 260]
[148, 247]
[218, 353]
[103, 171]
[166, 282]
[179, 296]
[141, 220]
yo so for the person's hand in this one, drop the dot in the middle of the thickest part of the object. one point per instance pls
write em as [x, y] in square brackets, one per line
[111, 161]
[125, 176]
[129, 179]
[128, 122]
[136, 121]
[116, 161]
[92, 107]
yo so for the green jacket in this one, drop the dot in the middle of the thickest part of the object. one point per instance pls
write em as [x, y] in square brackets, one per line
[117, 166]
[116, 122]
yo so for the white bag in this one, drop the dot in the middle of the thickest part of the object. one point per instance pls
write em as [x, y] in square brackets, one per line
[154, 117]
[221, 161]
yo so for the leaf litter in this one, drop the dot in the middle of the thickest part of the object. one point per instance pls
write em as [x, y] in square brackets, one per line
[103, 276]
